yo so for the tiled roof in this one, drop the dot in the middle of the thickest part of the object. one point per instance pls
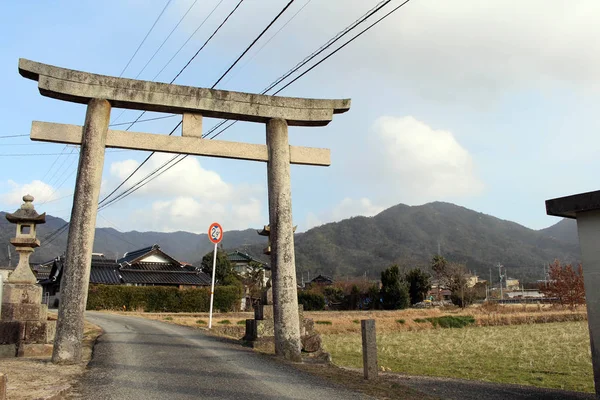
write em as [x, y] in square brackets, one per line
[238, 256]
[165, 277]
[322, 278]
[132, 255]
[105, 275]
[153, 266]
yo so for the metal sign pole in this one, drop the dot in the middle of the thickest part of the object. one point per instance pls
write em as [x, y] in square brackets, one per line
[212, 287]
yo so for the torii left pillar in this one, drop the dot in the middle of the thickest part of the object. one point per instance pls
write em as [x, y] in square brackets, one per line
[76, 275]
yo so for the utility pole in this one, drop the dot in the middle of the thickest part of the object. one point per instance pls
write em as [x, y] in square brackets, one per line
[9, 256]
[500, 275]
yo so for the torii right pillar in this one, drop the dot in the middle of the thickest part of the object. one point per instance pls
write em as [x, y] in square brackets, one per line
[585, 208]
[283, 260]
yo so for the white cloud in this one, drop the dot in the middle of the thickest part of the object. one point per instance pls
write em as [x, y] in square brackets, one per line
[189, 197]
[420, 163]
[41, 191]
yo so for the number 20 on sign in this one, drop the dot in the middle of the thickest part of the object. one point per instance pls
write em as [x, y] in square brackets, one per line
[215, 235]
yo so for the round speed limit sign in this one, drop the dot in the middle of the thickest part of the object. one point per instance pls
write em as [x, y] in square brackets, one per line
[215, 233]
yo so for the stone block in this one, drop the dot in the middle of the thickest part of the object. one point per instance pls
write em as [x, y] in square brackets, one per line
[369, 348]
[24, 312]
[35, 332]
[21, 293]
[307, 326]
[8, 351]
[267, 297]
[311, 343]
[265, 328]
[3, 385]
[11, 332]
[264, 344]
[50, 331]
[34, 350]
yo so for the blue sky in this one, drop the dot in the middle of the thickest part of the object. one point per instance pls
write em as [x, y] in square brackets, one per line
[490, 105]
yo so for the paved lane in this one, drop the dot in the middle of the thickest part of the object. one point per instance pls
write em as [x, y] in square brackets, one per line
[142, 359]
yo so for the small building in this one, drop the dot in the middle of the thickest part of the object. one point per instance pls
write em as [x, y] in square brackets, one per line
[512, 283]
[254, 273]
[322, 280]
[149, 266]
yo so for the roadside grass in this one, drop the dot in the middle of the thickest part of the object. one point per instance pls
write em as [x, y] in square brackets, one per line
[552, 355]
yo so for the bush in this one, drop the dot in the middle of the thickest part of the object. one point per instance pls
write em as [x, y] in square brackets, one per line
[168, 318]
[162, 298]
[241, 322]
[311, 301]
[201, 322]
[420, 320]
[356, 321]
[323, 323]
[224, 322]
[452, 321]
[400, 321]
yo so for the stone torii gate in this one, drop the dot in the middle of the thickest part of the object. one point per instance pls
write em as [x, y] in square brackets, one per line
[101, 93]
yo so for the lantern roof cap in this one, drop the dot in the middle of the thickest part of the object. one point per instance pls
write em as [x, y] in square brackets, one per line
[26, 213]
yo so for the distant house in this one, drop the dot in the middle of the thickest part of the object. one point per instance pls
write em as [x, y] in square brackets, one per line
[322, 280]
[254, 273]
[149, 266]
[512, 283]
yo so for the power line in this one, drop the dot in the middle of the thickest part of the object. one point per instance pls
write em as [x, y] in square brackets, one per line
[12, 136]
[253, 42]
[308, 58]
[144, 120]
[344, 45]
[279, 80]
[209, 39]
[167, 38]
[189, 38]
[145, 37]
[267, 42]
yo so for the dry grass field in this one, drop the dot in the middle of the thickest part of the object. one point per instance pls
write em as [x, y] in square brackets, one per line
[532, 345]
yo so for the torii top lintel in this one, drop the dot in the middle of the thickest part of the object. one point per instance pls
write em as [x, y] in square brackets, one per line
[80, 87]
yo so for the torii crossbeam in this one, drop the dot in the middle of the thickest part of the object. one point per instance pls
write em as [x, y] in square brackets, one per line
[101, 93]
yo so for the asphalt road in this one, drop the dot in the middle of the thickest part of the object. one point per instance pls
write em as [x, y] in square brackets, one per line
[142, 359]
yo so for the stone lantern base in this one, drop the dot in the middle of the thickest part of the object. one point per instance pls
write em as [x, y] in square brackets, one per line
[24, 327]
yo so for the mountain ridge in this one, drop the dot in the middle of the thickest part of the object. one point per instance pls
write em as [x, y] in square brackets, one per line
[402, 234]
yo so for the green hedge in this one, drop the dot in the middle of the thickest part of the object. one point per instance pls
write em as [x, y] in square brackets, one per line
[311, 301]
[162, 298]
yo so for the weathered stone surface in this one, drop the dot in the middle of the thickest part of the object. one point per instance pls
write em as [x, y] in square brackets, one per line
[267, 295]
[11, 332]
[8, 350]
[81, 87]
[76, 273]
[20, 293]
[191, 125]
[50, 331]
[283, 263]
[34, 350]
[23, 312]
[264, 344]
[369, 348]
[72, 134]
[308, 325]
[3, 385]
[22, 273]
[264, 328]
[35, 332]
[311, 343]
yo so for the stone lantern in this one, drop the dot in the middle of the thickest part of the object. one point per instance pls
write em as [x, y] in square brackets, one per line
[24, 326]
[26, 219]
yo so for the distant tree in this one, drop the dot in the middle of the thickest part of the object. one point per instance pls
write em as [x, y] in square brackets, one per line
[225, 274]
[565, 283]
[393, 289]
[419, 283]
[374, 295]
[438, 266]
[253, 279]
[453, 276]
